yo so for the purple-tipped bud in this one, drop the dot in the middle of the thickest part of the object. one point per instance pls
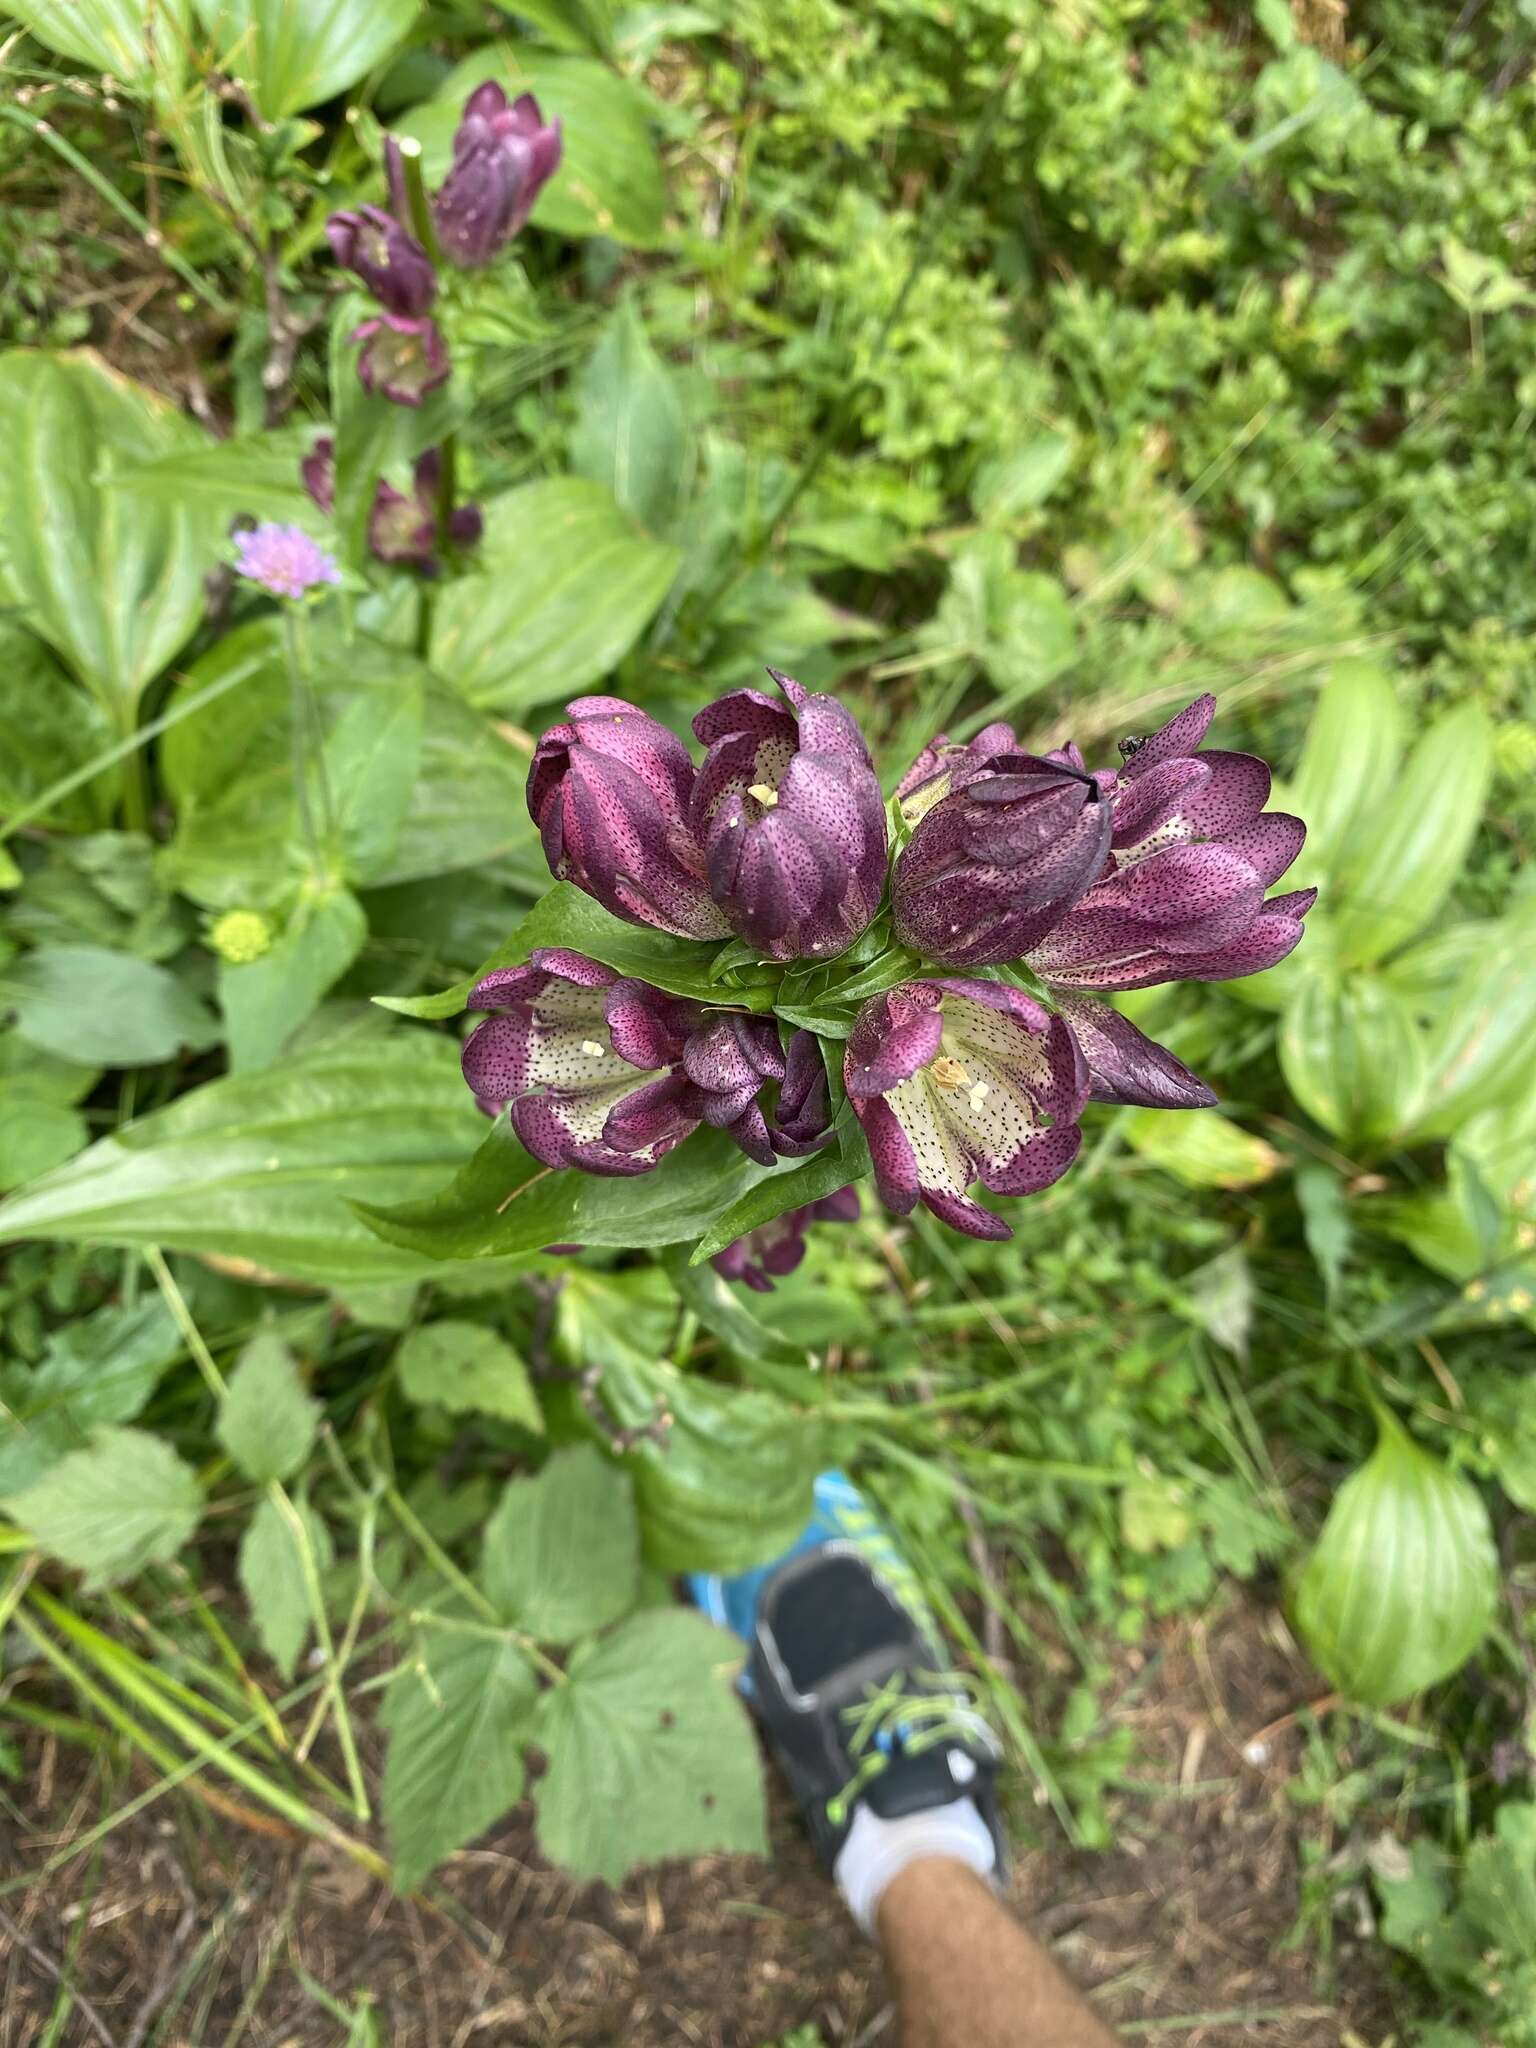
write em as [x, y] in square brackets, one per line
[802, 1122]
[318, 471]
[957, 1081]
[1192, 853]
[402, 360]
[1124, 1065]
[728, 1059]
[775, 1249]
[387, 257]
[788, 810]
[503, 157]
[998, 861]
[609, 791]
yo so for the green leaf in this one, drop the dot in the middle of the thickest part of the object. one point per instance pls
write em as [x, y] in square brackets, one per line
[49, 728]
[1403, 1580]
[267, 1419]
[101, 1008]
[562, 1550]
[1017, 482]
[562, 587]
[457, 1718]
[1353, 1056]
[112, 582]
[1324, 1220]
[258, 1167]
[630, 433]
[1221, 1294]
[35, 1136]
[100, 1369]
[845, 1160]
[1498, 1884]
[1482, 1051]
[566, 916]
[1353, 747]
[609, 180]
[1202, 1148]
[1418, 839]
[265, 1001]
[740, 1318]
[131, 40]
[295, 53]
[650, 1753]
[256, 475]
[272, 1578]
[126, 1500]
[468, 1369]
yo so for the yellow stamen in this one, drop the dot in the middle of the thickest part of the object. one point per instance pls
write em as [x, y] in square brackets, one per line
[765, 793]
[591, 1048]
[949, 1074]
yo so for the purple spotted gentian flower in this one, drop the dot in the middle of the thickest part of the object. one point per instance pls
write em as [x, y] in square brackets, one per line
[609, 791]
[775, 1249]
[503, 157]
[802, 1122]
[401, 529]
[787, 808]
[957, 1081]
[283, 560]
[604, 1072]
[387, 257]
[402, 359]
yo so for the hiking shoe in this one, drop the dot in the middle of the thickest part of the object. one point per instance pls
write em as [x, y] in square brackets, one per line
[846, 1676]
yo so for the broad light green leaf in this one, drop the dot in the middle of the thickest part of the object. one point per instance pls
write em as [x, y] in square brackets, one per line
[650, 1752]
[49, 727]
[259, 1166]
[1408, 863]
[564, 584]
[35, 1136]
[267, 1418]
[1325, 1220]
[101, 1008]
[264, 1001]
[630, 433]
[1402, 1583]
[1016, 482]
[112, 581]
[1353, 747]
[1353, 1056]
[126, 1500]
[562, 1551]
[457, 1716]
[609, 180]
[1483, 1051]
[256, 474]
[295, 53]
[99, 1369]
[835, 1166]
[566, 916]
[1203, 1149]
[468, 1369]
[136, 41]
[272, 1578]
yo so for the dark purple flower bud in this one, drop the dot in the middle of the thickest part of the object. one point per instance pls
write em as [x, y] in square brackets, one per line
[957, 1081]
[775, 1249]
[584, 1061]
[802, 1122]
[609, 792]
[1124, 1065]
[1192, 852]
[402, 360]
[503, 157]
[1000, 860]
[318, 470]
[788, 810]
[401, 529]
[728, 1059]
[946, 764]
[387, 257]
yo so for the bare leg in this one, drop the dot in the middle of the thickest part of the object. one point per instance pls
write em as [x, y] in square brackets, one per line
[966, 1973]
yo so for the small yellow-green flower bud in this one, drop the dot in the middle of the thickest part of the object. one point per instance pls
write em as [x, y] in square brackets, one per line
[241, 936]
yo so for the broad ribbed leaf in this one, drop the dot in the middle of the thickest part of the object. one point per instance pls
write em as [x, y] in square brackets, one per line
[561, 1556]
[103, 1008]
[1484, 1050]
[1402, 1582]
[259, 1167]
[564, 584]
[113, 581]
[1353, 747]
[650, 1753]
[257, 474]
[631, 433]
[264, 1001]
[135, 41]
[295, 53]
[1204, 1150]
[609, 180]
[1407, 858]
[1353, 1056]
[49, 727]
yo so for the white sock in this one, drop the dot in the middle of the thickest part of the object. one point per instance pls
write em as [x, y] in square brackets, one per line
[878, 1850]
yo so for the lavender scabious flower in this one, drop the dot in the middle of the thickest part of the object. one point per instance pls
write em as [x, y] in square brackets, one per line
[957, 1081]
[387, 257]
[503, 157]
[283, 559]
[606, 1073]
[609, 791]
[401, 529]
[775, 1249]
[402, 359]
[788, 810]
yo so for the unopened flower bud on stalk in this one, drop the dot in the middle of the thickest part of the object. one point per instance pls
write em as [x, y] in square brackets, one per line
[504, 154]
[387, 257]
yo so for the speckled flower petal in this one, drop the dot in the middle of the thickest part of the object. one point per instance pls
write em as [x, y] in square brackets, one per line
[1126, 1066]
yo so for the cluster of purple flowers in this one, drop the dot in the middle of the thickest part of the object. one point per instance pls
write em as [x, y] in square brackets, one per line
[504, 153]
[1157, 870]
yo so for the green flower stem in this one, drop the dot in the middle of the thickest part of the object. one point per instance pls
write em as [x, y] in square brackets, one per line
[417, 202]
[135, 782]
[493, 1626]
[306, 735]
